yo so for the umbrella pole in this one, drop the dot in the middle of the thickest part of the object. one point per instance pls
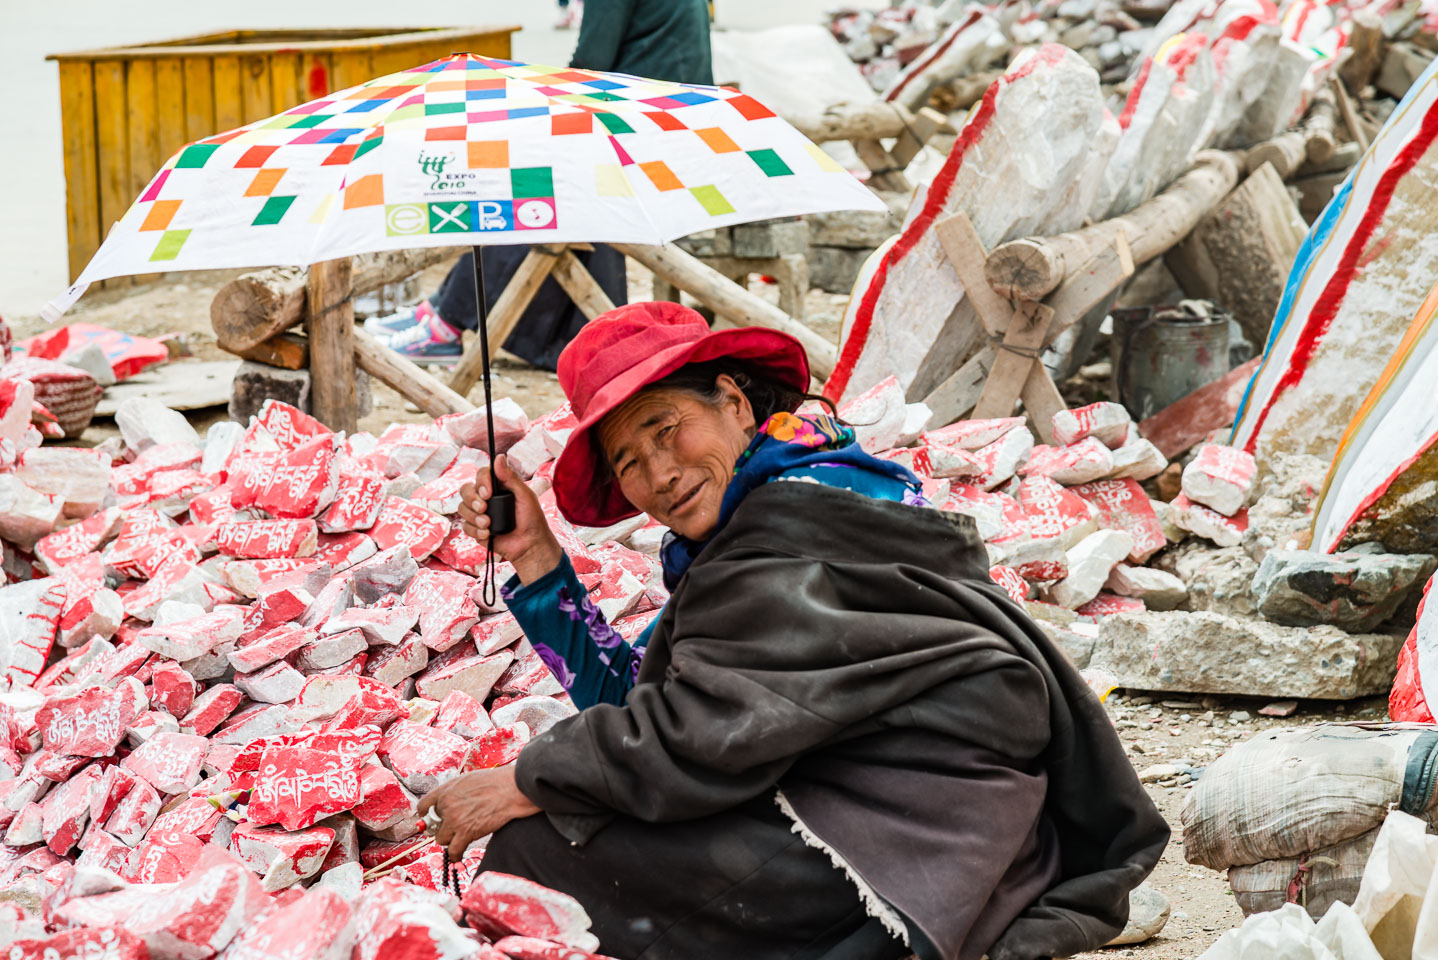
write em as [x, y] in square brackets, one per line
[500, 507]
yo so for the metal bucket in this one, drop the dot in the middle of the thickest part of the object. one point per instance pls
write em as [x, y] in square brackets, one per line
[1162, 359]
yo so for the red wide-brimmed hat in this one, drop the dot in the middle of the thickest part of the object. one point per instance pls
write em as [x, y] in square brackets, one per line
[619, 353]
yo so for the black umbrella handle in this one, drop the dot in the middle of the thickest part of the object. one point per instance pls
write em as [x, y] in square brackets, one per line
[501, 513]
[500, 507]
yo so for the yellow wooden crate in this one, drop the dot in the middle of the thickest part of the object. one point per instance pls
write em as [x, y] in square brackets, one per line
[126, 110]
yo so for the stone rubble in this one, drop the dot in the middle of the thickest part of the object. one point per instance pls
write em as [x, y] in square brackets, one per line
[239, 661]
[233, 666]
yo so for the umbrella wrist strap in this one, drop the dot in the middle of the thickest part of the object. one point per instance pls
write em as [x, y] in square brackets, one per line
[481, 304]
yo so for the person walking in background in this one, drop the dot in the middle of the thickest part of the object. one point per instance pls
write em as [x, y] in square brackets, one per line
[570, 14]
[658, 39]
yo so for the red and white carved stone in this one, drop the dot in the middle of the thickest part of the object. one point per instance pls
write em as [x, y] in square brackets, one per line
[1106, 421]
[1123, 505]
[296, 786]
[391, 665]
[1220, 478]
[64, 546]
[170, 762]
[88, 723]
[302, 482]
[212, 708]
[267, 539]
[385, 801]
[1081, 462]
[422, 757]
[406, 524]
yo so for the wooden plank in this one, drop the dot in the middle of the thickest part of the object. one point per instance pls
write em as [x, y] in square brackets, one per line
[916, 133]
[332, 345]
[82, 187]
[1041, 401]
[725, 296]
[285, 350]
[352, 68]
[388, 61]
[226, 84]
[144, 144]
[885, 172]
[257, 99]
[1356, 130]
[966, 255]
[112, 143]
[246, 42]
[407, 379]
[186, 385]
[286, 84]
[143, 136]
[170, 107]
[502, 320]
[581, 286]
[199, 99]
[1022, 341]
[958, 393]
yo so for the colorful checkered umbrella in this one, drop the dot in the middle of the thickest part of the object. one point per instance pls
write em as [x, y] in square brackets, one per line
[472, 150]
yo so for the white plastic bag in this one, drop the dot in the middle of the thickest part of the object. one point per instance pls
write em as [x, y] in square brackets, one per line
[1288, 933]
[1395, 916]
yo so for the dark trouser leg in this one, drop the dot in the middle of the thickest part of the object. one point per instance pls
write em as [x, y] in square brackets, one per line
[736, 884]
[552, 319]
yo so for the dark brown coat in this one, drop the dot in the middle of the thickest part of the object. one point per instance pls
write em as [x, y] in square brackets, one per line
[854, 653]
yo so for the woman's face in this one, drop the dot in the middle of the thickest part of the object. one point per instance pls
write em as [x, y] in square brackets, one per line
[674, 453]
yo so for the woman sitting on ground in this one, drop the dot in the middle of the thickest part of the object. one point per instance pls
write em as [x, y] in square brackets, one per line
[839, 739]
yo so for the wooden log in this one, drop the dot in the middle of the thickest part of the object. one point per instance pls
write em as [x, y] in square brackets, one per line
[725, 297]
[963, 92]
[1240, 254]
[1033, 267]
[256, 306]
[1366, 42]
[1285, 153]
[331, 325]
[855, 121]
[407, 379]
[1319, 126]
[287, 351]
[1343, 157]
[502, 320]
[581, 286]
[1091, 283]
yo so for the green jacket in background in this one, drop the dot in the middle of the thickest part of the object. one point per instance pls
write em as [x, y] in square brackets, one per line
[658, 39]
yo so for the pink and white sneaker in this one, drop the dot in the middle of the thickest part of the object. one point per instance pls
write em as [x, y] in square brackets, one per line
[390, 324]
[431, 340]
